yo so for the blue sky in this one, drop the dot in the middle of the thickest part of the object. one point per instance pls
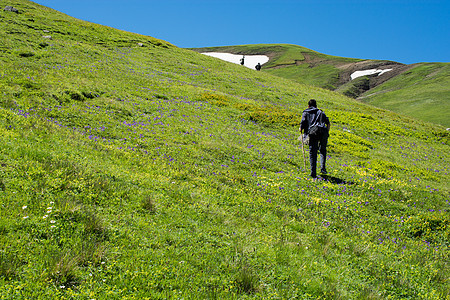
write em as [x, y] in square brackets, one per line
[406, 31]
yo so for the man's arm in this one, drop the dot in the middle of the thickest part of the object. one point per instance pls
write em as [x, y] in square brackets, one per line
[303, 122]
[327, 122]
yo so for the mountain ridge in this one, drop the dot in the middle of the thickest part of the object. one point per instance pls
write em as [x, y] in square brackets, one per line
[334, 73]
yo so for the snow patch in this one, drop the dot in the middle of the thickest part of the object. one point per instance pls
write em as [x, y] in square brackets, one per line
[368, 72]
[250, 61]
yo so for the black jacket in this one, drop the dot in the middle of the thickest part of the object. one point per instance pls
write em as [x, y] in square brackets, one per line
[313, 116]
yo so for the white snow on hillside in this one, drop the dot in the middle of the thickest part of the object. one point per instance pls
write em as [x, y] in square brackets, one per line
[368, 72]
[250, 61]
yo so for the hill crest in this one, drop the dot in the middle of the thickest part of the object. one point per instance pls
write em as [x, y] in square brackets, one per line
[389, 88]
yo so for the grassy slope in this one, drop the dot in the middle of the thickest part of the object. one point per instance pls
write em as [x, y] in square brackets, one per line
[423, 92]
[321, 71]
[409, 93]
[133, 172]
[317, 69]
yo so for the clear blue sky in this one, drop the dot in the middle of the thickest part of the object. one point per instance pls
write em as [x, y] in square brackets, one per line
[406, 31]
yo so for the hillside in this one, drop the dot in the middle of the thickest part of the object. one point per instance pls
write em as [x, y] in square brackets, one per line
[419, 90]
[133, 169]
[423, 92]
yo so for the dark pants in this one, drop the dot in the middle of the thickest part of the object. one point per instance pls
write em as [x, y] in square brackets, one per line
[321, 146]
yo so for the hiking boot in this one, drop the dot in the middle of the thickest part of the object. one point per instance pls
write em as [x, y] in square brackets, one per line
[323, 172]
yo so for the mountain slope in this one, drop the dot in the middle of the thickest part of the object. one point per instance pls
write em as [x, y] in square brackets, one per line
[130, 168]
[422, 92]
[407, 89]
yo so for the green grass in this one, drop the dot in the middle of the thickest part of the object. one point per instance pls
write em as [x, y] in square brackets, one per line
[281, 54]
[422, 92]
[155, 172]
[289, 61]
[324, 76]
[355, 87]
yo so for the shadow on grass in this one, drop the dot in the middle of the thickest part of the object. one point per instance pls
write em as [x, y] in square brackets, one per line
[335, 180]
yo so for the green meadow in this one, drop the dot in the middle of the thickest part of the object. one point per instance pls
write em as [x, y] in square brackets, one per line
[420, 91]
[293, 62]
[423, 92]
[133, 169]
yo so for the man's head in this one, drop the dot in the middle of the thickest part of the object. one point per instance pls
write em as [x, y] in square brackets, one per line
[312, 103]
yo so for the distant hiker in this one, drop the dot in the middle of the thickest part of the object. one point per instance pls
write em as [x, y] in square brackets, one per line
[258, 67]
[316, 127]
[10, 8]
[242, 60]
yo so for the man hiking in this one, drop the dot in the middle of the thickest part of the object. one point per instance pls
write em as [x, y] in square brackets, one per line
[316, 127]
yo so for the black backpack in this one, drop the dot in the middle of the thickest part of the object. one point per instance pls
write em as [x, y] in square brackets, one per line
[319, 128]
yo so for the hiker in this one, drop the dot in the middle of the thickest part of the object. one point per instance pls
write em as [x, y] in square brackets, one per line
[316, 127]
[242, 60]
[10, 8]
[258, 67]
